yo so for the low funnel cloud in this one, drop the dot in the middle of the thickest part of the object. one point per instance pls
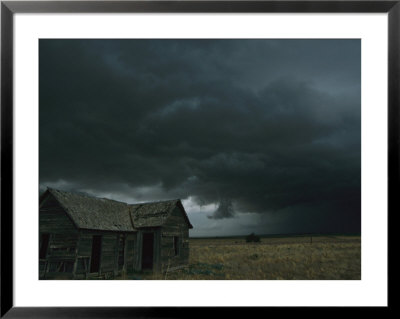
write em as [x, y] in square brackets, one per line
[224, 210]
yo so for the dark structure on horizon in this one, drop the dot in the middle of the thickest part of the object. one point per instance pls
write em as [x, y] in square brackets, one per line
[82, 237]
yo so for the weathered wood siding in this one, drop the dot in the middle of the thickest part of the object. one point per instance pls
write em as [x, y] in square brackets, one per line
[84, 251]
[109, 251]
[63, 237]
[175, 226]
[137, 262]
[85, 244]
[54, 220]
[130, 251]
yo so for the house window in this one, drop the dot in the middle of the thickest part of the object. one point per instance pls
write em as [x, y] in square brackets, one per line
[44, 245]
[176, 245]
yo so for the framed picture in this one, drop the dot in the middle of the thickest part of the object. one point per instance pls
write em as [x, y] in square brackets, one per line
[196, 154]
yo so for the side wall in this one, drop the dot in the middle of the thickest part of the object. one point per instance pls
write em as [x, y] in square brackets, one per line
[63, 237]
[110, 250]
[175, 226]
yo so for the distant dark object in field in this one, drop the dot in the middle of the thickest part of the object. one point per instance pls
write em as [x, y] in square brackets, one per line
[252, 238]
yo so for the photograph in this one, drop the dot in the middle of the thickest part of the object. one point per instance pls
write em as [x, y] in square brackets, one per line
[199, 159]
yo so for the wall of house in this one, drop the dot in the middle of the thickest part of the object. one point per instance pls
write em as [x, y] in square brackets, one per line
[63, 236]
[84, 251]
[130, 252]
[109, 252]
[175, 226]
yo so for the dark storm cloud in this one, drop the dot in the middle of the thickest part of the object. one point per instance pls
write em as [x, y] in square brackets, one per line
[224, 210]
[257, 126]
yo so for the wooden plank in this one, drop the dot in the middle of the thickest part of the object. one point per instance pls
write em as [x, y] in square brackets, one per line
[175, 226]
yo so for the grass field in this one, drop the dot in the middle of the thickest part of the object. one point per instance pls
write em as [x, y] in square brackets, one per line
[288, 258]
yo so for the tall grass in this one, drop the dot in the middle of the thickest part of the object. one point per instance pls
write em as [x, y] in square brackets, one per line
[325, 258]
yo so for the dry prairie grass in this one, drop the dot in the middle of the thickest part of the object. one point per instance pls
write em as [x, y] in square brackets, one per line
[290, 258]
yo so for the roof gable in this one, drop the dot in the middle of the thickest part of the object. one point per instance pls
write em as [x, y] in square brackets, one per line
[155, 214]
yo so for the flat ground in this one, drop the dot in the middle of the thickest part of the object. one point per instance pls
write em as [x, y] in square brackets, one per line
[288, 258]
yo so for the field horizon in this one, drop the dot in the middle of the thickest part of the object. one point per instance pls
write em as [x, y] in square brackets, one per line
[277, 235]
[295, 257]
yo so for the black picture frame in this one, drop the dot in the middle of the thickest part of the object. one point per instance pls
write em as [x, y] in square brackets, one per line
[9, 8]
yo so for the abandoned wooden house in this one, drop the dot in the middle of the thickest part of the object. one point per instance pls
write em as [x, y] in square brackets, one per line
[82, 237]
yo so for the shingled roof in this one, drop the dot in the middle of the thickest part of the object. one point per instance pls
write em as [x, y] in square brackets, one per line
[88, 212]
[154, 214]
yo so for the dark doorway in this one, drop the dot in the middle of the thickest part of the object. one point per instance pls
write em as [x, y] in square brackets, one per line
[96, 254]
[147, 251]
[176, 245]
[121, 252]
[44, 244]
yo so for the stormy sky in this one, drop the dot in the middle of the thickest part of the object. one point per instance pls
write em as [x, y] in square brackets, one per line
[256, 136]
